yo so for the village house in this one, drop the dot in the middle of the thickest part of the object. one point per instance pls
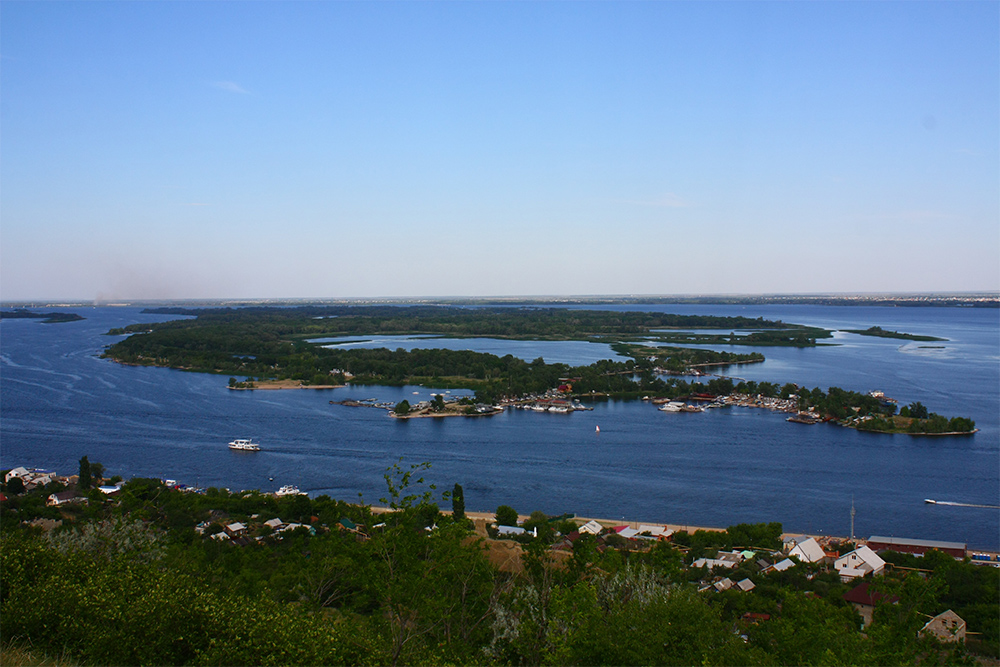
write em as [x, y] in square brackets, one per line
[591, 527]
[947, 627]
[806, 549]
[727, 559]
[64, 497]
[864, 601]
[858, 563]
[236, 529]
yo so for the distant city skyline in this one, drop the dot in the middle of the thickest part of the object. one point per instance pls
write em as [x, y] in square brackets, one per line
[238, 150]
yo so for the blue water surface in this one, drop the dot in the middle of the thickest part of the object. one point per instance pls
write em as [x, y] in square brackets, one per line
[59, 401]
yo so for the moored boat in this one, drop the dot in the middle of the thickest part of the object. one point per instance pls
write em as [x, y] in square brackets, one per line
[289, 490]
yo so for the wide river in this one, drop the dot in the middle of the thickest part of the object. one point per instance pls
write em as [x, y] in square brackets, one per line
[59, 402]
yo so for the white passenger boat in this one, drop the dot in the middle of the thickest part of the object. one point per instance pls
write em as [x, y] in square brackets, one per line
[244, 445]
[289, 490]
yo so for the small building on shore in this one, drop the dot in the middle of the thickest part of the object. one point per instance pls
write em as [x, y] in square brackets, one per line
[917, 547]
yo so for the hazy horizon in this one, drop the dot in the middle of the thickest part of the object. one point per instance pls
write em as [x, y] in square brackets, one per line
[242, 151]
[867, 297]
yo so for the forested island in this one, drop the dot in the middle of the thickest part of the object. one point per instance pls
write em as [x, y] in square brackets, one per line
[261, 344]
[141, 573]
[47, 318]
[879, 332]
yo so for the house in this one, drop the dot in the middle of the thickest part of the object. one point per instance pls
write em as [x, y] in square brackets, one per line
[723, 559]
[591, 527]
[236, 529]
[858, 563]
[510, 530]
[33, 481]
[947, 627]
[807, 551]
[864, 601]
[746, 585]
[655, 531]
[723, 584]
[64, 497]
[16, 472]
[781, 566]
[274, 524]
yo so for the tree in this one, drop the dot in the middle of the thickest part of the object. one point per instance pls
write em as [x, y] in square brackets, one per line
[84, 477]
[15, 486]
[458, 502]
[506, 516]
[97, 472]
[918, 410]
[402, 408]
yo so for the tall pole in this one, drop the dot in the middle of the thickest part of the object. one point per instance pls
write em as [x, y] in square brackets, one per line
[853, 512]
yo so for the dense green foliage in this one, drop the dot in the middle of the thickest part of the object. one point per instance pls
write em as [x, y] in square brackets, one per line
[129, 581]
[270, 342]
[47, 318]
[879, 332]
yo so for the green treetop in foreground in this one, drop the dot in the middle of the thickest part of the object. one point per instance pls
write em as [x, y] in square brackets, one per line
[129, 581]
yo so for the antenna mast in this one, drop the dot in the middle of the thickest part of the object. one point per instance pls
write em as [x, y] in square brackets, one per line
[853, 512]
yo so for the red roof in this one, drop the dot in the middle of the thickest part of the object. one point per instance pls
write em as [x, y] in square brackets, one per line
[860, 595]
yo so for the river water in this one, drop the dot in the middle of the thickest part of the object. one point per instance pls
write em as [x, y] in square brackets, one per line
[59, 402]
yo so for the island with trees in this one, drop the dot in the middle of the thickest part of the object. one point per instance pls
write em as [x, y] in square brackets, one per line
[879, 332]
[46, 318]
[276, 347]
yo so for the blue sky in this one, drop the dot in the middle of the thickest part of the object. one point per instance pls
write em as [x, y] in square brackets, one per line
[321, 149]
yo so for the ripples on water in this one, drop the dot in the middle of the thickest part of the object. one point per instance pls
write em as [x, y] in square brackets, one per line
[59, 402]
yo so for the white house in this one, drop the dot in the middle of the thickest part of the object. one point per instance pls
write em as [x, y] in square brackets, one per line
[16, 472]
[591, 527]
[807, 551]
[858, 563]
[722, 559]
[781, 566]
[655, 531]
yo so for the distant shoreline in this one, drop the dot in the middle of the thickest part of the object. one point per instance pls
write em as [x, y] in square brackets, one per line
[270, 385]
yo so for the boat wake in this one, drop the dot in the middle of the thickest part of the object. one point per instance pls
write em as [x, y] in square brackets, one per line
[948, 502]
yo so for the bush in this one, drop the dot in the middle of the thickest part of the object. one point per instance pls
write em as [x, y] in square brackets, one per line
[506, 516]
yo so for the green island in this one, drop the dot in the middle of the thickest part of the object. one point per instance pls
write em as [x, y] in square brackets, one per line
[47, 318]
[274, 345]
[140, 573]
[879, 332]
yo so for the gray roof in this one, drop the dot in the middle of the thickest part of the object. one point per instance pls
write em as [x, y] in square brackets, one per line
[903, 541]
